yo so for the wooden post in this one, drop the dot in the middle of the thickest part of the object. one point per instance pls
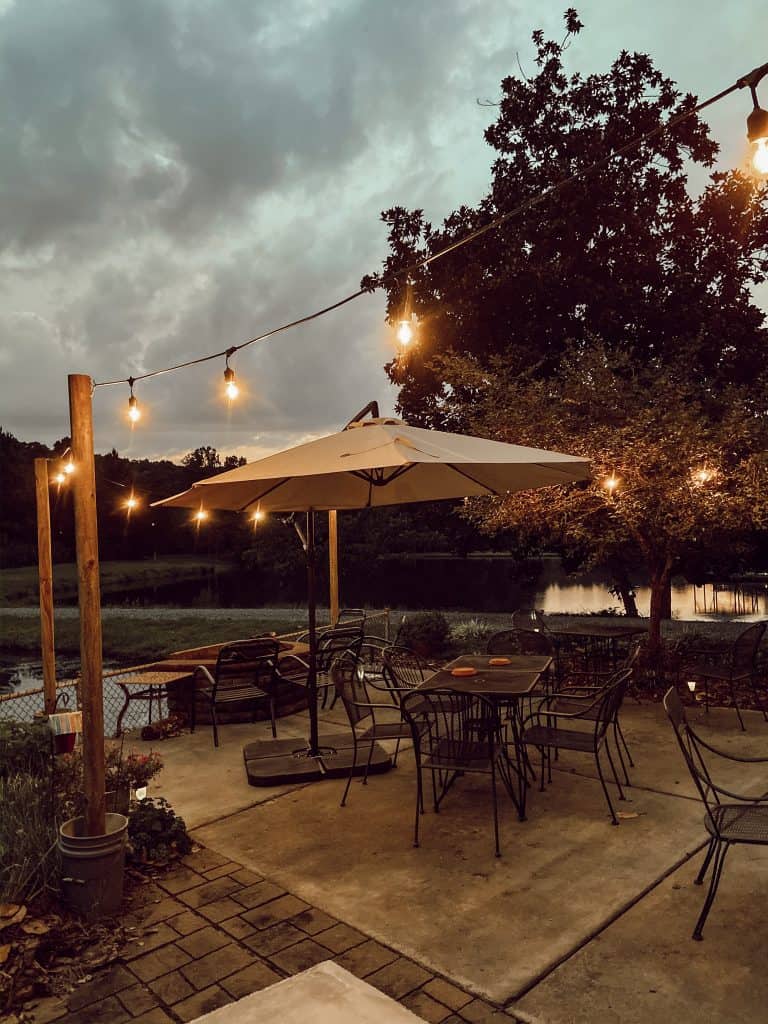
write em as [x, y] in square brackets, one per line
[45, 577]
[83, 482]
[333, 564]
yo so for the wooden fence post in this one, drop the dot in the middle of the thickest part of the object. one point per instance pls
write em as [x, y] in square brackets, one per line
[83, 482]
[333, 564]
[45, 577]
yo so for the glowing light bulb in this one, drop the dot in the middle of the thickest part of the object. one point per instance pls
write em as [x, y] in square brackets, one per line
[703, 476]
[134, 412]
[201, 515]
[760, 158]
[405, 333]
[258, 517]
[231, 390]
[69, 467]
[611, 483]
[131, 503]
[692, 685]
[60, 479]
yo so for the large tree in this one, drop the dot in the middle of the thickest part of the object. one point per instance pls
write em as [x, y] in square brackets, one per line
[629, 254]
[677, 469]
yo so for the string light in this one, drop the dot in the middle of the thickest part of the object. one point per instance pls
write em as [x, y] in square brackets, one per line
[231, 390]
[134, 412]
[757, 122]
[131, 503]
[257, 517]
[60, 479]
[69, 467]
[406, 328]
[757, 130]
[200, 516]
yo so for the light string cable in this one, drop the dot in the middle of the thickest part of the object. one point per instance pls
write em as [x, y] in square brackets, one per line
[502, 218]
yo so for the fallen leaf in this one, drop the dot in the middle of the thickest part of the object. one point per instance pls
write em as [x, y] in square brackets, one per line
[35, 928]
[624, 815]
[9, 909]
[18, 917]
[5, 952]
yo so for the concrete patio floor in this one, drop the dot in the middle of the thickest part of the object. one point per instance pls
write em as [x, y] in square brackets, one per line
[578, 921]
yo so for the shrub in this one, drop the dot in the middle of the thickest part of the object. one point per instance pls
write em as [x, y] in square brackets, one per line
[471, 631]
[427, 633]
[28, 855]
[25, 747]
[155, 832]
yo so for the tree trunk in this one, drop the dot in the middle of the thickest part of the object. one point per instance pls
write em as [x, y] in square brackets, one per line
[666, 600]
[661, 576]
[624, 590]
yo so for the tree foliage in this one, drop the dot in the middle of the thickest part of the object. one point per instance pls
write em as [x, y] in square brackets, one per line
[628, 254]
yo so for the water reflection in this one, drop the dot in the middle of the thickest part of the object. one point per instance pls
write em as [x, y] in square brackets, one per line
[688, 602]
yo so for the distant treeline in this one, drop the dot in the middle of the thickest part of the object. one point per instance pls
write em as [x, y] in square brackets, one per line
[272, 548]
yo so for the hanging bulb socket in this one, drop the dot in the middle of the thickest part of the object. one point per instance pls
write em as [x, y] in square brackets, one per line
[134, 412]
[231, 390]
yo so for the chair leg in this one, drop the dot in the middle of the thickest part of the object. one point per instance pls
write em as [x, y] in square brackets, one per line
[699, 879]
[351, 770]
[419, 804]
[215, 725]
[272, 717]
[736, 705]
[614, 819]
[617, 743]
[495, 810]
[613, 769]
[620, 731]
[193, 712]
[371, 745]
[397, 751]
[714, 882]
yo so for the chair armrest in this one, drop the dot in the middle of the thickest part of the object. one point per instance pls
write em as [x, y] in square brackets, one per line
[294, 657]
[209, 678]
[726, 755]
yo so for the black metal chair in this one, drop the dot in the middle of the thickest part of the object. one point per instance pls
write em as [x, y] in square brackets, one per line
[366, 716]
[505, 641]
[554, 729]
[576, 693]
[351, 617]
[332, 643]
[733, 664]
[246, 672]
[455, 734]
[727, 823]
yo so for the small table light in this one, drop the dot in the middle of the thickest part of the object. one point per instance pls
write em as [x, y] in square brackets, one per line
[692, 685]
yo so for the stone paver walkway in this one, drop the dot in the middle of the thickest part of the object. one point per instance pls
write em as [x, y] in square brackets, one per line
[211, 931]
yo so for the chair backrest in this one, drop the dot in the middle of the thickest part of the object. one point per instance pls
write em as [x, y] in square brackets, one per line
[529, 642]
[503, 642]
[453, 720]
[692, 750]
[246, 663]
[350, 684]
[335, 642]
[352, 617]
[609, 700]
[402, 667]
[529, 620]
[745, 646]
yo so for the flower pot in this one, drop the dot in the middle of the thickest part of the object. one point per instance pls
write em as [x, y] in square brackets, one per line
[64, 743]
[92, 866]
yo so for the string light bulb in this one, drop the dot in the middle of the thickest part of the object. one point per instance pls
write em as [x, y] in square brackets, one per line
[231, 390]
[201, 515]
[757, 123]
[611, 484]
[257, 517]
[406, 331]
[134, 412]
[131, 503]
[69, 467]
[60, 479]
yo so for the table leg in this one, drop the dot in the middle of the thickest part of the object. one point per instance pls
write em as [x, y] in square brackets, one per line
[123, 709]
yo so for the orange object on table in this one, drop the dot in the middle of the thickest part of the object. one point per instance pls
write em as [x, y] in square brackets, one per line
[463, 670]
[499, 661]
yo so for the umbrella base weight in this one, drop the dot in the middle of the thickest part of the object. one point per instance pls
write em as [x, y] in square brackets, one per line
[281, 762]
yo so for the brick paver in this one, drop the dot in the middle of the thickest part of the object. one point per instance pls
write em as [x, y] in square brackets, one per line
[210, 932]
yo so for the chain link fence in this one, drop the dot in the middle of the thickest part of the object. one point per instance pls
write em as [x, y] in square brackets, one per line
[23, 705]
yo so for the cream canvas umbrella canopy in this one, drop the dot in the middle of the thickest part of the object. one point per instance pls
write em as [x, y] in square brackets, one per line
[371, 463]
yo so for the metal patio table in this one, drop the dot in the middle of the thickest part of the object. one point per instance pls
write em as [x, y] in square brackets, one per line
[602, 639]
[503, 685]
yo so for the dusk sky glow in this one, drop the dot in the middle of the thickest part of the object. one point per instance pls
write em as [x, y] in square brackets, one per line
[179, 176]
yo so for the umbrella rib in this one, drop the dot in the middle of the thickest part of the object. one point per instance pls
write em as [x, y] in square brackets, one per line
[461, 472]
[269, 490]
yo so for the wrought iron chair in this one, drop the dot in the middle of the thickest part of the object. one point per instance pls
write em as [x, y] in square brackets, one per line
[246, 672]
[733, 664]
[505, 641]
[554, 729]
[455, 734]
[351, 617]
[366, 716]
[576, 693]
[727, 823]
[331, 644]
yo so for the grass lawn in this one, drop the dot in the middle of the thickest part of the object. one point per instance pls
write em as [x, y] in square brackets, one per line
[139, 637]
[19, 586]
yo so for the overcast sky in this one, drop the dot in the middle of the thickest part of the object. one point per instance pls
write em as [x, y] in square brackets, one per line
[179, 175]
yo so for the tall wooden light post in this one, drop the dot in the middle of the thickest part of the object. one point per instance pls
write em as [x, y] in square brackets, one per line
[83, 482]
[45, 573]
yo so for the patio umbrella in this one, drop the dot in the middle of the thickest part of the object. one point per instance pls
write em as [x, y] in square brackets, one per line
[371, 463]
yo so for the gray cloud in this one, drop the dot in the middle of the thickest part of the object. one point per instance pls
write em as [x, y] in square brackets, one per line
[177, 176]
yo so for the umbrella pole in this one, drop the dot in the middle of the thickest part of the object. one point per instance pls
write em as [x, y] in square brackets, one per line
[314, 746]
